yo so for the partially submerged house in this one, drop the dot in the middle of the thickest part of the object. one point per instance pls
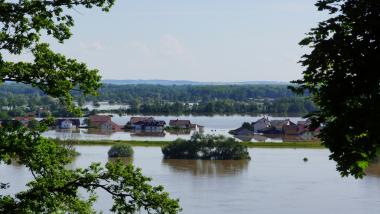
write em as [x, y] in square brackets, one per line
[261, 124]
[24, 120]
[181, 124]
[306, 132]
[286, 127]
[103, 122]
[134, 120]
[150, 126]
[67, 123]
[290, 128]
[137, 122]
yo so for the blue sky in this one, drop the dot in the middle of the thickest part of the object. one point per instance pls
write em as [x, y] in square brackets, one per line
[202, 40]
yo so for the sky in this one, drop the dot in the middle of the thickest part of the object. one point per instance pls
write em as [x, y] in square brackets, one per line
[199, 40]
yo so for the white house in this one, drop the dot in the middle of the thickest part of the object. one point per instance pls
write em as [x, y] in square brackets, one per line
[66, 124]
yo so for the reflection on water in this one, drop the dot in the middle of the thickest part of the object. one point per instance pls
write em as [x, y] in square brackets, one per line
[147, 134]
[69, 131]
[207, 167]
[99, 131]
[180, 132]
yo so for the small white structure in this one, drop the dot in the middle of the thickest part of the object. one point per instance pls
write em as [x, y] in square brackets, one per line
[66, 124]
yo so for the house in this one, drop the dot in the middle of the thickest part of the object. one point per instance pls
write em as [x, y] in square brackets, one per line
[103, 122]
[290, 128]
[138, 122]
[24, 120]
[150, 126]
[67, 123]
[260, 124]
[281, 127]
[303, 126]
[305, 131]
[134, 120]
[278, 125]
[181, 124]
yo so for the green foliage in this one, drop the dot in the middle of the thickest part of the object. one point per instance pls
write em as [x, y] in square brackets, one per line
[120, 150]
[342, 74]
[33, 124]
[55, 188]
[22, 25]
[207, 147]
[21, 99]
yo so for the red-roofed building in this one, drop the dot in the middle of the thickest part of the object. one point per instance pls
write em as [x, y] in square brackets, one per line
[182, 124]
[24, 120]
[103, 122]
[135, 120]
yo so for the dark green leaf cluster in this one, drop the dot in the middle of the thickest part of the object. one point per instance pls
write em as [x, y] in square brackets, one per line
[343, 76]
[55, 188]
[206, 147]
[22, 25]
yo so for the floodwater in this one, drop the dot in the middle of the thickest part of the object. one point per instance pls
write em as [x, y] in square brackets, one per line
[214, 125]
[274, 181]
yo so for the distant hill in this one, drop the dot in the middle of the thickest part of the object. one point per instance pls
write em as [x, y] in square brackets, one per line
[187, 82]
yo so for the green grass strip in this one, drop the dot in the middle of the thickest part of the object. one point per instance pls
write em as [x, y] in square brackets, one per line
[163, 143]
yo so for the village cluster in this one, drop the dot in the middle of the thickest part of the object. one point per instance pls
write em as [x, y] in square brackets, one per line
[259, 130]
[277, 127]
[104, 122]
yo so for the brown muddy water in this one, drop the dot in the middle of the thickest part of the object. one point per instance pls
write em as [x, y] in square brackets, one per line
[274, 181]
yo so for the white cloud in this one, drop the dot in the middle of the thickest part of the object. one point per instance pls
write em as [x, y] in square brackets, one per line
[139, 48]
[92, 46]
[171, 46]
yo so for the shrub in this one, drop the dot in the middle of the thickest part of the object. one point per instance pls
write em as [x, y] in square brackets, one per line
[120, 150]
[207, 147]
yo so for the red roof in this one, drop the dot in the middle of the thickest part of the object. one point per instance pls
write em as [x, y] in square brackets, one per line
[179, 122]
[134, 120]
[24, 118]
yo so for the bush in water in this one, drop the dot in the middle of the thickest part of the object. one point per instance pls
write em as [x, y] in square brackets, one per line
[207, 147]
[120, 150]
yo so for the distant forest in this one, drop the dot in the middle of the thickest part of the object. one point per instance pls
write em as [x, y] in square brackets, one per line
[19, 99]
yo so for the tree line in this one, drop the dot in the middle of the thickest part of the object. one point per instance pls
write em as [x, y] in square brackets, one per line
[18, 100]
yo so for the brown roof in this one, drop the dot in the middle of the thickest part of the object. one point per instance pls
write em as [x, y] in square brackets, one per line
[134, 120]
[179, 122]
[115, 126]
[24, 118]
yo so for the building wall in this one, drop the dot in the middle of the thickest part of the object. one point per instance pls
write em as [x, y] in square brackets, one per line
[66, 124]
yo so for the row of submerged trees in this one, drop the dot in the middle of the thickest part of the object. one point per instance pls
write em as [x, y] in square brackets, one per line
[204, 147]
